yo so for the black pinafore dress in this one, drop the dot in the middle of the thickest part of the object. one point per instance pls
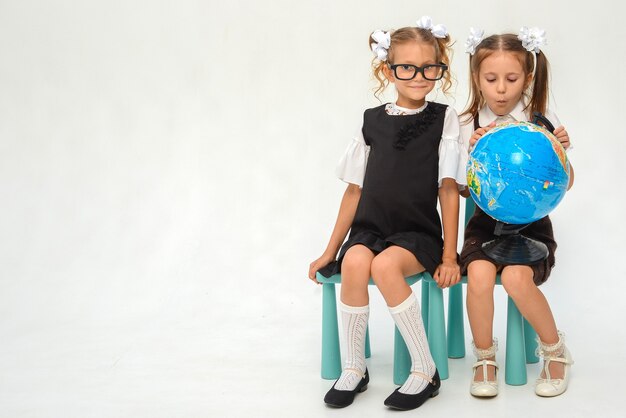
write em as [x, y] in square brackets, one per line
[480, 229]
[398, 204]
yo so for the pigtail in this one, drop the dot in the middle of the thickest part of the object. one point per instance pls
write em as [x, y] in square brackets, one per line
[377, 70]
[476, 100]
[444, 47]
[540, 89]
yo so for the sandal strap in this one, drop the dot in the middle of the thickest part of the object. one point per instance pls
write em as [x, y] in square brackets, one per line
[486, 363]
[549, 359]
[423, 376]
[559, 360]
[358, 372]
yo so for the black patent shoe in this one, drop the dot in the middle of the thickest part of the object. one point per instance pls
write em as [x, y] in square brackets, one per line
[404, 402]
[342, 398]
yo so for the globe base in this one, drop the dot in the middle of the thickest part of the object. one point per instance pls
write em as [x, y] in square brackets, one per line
[515, 249]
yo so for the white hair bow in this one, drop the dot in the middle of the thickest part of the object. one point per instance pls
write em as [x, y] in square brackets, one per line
[382, 44]
[532, 39]
[474, 38]
[438, 31]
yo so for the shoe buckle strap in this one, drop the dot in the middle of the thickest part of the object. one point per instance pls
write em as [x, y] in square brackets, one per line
[423, 376]
[546, 365]
[559, 360]
[484, 364]
[358, 372]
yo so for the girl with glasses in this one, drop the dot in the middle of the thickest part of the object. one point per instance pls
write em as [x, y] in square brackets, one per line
[405, 158]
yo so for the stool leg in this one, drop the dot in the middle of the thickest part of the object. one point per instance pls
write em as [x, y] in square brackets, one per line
[456, 332]
[425, 300]
[515, 369]
[368, 352]
[437, 330]
[331, 356]
[531, 343]
[401, 358]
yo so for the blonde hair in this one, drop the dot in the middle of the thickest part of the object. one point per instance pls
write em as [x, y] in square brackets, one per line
[536, 92]
[443, 54]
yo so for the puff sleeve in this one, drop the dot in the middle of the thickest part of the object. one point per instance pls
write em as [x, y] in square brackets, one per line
[452, 154]
[351, 166]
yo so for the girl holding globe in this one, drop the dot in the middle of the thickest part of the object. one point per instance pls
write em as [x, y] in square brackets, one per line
[404, 157]
[509, 82]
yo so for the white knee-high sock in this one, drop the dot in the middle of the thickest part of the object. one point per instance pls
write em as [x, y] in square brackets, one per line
[354, 319]
[408, 319]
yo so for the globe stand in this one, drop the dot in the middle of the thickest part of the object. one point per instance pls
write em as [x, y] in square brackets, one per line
[511, 247]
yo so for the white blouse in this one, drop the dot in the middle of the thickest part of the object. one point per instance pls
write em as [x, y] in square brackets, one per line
[486, 116]
[452, 153]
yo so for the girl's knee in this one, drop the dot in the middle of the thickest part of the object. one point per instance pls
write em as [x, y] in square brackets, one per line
[517, 279]
[383, 267]
[480, 285]
[354, 262]
[481, 277]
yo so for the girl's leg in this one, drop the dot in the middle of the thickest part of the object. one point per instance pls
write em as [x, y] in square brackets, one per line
[532, 304]
[355, 275]
[389, 270]
[480, 285]
[354, 307]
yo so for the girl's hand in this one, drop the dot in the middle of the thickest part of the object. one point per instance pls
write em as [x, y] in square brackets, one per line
[323, 261]
[447, 274]
[562, 136]
[478, 133]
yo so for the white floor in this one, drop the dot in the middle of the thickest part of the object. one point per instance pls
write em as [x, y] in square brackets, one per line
[196, 357]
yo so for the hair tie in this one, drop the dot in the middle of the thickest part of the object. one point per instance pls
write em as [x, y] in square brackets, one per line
[382, 44]
[475, 37]
[532, 39]
[438, 31]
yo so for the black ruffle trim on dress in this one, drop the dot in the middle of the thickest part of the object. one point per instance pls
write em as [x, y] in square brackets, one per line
[417, 127]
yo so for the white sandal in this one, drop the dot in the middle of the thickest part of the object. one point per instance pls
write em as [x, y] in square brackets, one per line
[485, 388]
[558, 352]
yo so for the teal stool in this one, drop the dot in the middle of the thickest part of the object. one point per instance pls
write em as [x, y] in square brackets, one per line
[520, 336]
[432, 315]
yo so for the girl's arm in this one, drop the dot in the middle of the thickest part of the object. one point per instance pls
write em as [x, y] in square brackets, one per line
[471, 141]
[347, 209]
[448, 273]
[563, 137]
[571, 176]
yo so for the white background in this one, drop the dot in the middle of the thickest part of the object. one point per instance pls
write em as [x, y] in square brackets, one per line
[167, 175]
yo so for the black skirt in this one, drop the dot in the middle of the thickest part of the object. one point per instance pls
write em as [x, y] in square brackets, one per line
[480, 229]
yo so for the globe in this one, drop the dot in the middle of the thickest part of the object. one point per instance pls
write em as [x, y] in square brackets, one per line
[518, 173]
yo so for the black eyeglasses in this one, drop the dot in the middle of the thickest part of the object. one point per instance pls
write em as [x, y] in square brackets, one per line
[430, 72]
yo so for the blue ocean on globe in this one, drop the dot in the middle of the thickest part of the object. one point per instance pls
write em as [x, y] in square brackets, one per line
[518, 173]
